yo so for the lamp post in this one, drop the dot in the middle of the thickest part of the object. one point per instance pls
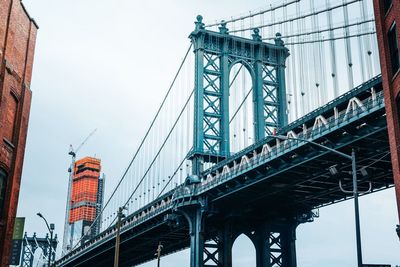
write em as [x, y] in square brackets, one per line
[120, 216]
[351, 157]
[51, 229]
[158, 254]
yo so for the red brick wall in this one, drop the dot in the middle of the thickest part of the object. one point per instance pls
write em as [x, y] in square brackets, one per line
[391, 84]
[17, 45]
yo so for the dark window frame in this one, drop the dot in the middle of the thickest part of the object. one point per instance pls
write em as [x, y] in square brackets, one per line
[15, 98]
[393, 49]
[387, 4]
[3, 191]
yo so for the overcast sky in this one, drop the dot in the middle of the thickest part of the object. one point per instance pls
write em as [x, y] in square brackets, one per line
[105, 65]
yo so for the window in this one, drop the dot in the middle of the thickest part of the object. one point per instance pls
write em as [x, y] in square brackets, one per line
[386, 5]
[398, 108]
[11, 117]
[3, 185]
[393, 49]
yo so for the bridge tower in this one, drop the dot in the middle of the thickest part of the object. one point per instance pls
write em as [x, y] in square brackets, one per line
[215, 54]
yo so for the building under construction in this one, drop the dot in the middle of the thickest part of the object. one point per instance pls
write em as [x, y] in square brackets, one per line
[86, 192]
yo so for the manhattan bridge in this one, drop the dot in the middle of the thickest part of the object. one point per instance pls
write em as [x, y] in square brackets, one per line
[231, 149]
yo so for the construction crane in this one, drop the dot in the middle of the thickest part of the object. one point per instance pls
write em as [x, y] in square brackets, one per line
[73, 152]
[67, 245]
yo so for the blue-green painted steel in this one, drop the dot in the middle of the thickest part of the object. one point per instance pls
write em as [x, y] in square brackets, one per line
[201, 203]
[215, 54]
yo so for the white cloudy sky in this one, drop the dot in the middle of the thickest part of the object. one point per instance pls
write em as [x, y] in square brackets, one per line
[106, 64]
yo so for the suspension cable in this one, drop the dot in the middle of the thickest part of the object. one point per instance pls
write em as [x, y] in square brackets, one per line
[141, 143]
[241, 104]
[299, 17]
[172, 176]
[162, 146]
[155, 157]
[323, 30]
[332, 39]
[272, 8]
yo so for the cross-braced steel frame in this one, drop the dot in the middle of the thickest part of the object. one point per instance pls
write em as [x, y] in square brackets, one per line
[215, 54]
[31, 244]
[211, 243]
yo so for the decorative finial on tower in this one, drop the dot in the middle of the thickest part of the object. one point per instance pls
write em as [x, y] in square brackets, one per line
[278, 39]
[199, 23]
[256, 35]
[223, 29]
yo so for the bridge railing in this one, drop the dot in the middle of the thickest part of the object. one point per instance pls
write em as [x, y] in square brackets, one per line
[152, 210]
[232, 169]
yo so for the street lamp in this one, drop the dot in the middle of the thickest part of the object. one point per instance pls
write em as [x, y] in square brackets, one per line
[120, 216]
[158, 254]
[355, 187]
[51, 229]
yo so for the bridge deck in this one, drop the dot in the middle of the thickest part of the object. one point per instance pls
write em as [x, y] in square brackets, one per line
[266, 180]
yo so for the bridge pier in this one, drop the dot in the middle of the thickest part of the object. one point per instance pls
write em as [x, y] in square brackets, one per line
[274, 241]
[275, 245]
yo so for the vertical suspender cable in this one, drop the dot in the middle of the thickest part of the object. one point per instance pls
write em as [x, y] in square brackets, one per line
[324, 86]
[316, 56]
[306, 57]
[366, 39]
[300, 52]
[348, 46]
[295, 84]
[243, 122]
[332, 46]
[289, 74]
[361, 57]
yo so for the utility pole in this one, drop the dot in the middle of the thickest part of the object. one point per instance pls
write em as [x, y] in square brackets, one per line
[117, 238]
[159, 248]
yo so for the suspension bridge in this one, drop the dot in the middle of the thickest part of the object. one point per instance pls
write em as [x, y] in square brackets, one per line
[209, 167]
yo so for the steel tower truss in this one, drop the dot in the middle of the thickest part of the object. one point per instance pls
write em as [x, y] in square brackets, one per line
[215, 54]
[31, 244]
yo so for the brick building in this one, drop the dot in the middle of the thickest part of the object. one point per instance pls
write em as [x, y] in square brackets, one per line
[387, 15]
[86, 200]
[17, 45]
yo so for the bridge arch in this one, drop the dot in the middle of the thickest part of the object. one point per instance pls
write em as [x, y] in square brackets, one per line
[241, 105]
[243, 251]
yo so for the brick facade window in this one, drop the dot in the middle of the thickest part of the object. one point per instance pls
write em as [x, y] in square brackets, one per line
[11, 117]
[386, 5]
[398, 108]
[3, 185]
[393, 49]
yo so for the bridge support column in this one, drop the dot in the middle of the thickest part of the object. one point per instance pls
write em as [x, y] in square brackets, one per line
[275, 245]
[195, 218]
[208, 249]
[218, 250]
